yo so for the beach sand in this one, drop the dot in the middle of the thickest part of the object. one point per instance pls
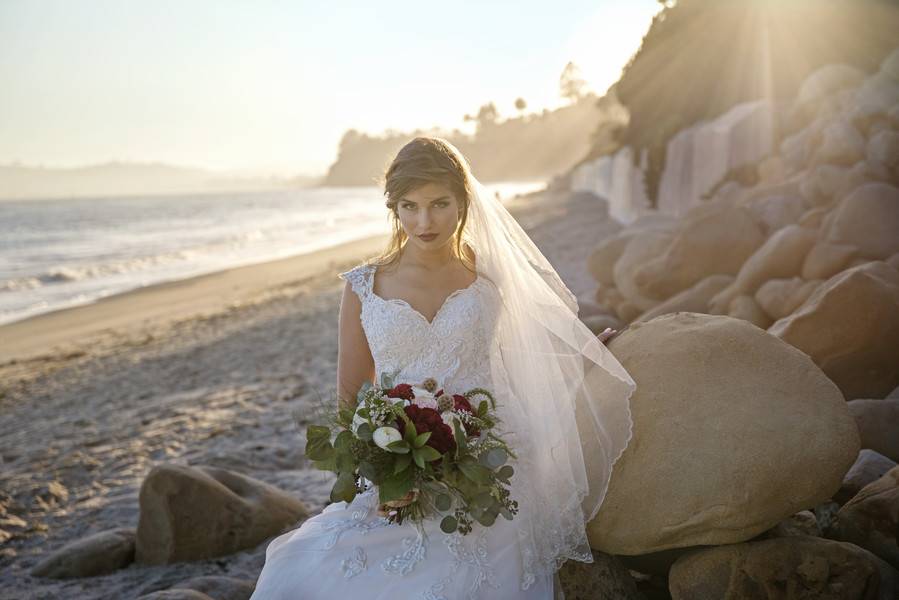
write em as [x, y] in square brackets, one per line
[224, 369]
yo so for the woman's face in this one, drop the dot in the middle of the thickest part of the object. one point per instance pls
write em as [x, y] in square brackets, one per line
[430, 209]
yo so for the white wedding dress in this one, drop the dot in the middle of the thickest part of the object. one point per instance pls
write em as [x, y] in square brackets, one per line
[348, 550]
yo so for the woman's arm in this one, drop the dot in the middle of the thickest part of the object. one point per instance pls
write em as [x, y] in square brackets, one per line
[354, 362]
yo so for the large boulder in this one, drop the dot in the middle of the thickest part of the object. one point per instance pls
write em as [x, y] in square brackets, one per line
[827, 80]
[717, 241]
[192, 513]
[639, 250]
[868, 468]
[850, 327]
[878, 425]
[751, 432]
[890, 66]
[871, 519]
[780, 297]
[97, 554]
[781, 256]
[601, 262]
[883, 149]
[775, 212]
[788, 568]
[694, 299]
[841, 144]
[825, 184]
[877, 95]
[825, 260]
[867, 219]
[746, 308]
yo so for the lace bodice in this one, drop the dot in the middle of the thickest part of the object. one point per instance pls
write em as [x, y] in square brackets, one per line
[454, 348]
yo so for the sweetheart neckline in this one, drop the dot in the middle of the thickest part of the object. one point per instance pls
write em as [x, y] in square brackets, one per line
[401, 302]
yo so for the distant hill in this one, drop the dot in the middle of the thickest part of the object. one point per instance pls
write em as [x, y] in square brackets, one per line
[531, 147]
[126, 179]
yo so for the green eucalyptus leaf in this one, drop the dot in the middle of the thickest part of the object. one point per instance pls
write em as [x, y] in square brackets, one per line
[345, 415]
[344, 488]
[448, 524]
[484, 500]
[368, 470]
[329, 464]
[505, 513]
[364, 432]
[475, 472]
[486, 519]
[346, 462]
[318, 442]
[443, 502]
[505, 472]
[495, 458]
[343, 439]
[396, 486]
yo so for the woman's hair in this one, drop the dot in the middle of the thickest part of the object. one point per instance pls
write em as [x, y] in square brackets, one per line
[421, 161]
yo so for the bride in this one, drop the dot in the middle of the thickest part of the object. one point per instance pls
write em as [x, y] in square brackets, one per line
[463, 296]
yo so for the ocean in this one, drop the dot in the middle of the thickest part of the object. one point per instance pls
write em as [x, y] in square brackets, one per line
[61, 253]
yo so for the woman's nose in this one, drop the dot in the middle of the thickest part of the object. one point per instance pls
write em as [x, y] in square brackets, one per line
[424, 217]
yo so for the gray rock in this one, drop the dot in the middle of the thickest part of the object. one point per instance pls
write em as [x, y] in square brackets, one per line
[97, 554]
[788, 568]
[868, 468]
[878, 425]
[606, 578]
[191, 513]
[871, 519]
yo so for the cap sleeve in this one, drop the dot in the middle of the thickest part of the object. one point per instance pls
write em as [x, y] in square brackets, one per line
[359, 278]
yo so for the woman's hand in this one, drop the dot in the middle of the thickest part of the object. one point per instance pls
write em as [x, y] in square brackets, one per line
[607, 334]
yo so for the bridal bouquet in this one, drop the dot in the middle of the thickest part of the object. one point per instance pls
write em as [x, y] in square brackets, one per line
[427, 452]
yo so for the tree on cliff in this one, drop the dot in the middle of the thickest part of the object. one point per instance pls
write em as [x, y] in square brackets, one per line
[571, 85]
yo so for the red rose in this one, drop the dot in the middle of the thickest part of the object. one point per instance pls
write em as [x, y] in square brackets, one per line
[428, 419]
[462, 403]
[401, 390]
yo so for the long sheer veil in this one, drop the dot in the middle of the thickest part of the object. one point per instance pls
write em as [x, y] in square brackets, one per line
[566, 395]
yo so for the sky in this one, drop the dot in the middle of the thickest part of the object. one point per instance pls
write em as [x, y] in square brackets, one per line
[268, 87]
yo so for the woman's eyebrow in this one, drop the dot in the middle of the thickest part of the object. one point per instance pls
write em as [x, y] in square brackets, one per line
[434, 200]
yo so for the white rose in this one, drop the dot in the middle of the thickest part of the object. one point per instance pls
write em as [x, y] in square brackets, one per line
[424, 398]
[386, 435]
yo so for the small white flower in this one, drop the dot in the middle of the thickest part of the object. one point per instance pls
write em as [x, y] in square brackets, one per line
[386, 435]
[424, 398]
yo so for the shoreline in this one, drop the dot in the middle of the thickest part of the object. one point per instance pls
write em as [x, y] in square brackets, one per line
[62, 331]
[65, 332]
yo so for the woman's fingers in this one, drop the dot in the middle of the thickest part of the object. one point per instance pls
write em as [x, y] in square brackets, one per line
[607, 334]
